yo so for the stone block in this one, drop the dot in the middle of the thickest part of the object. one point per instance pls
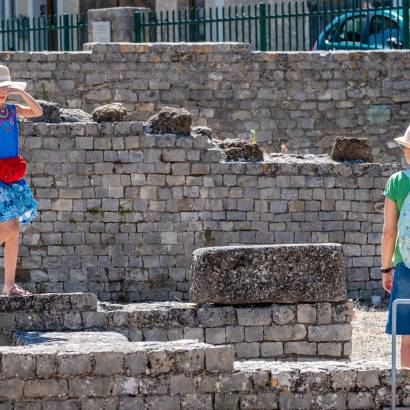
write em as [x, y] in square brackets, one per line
[71, 363]
[306, 313]
[300, 348]
[248, 350]
[45, 388]
[254, 316]
[271, 349]
[234, 334]
[268, 274]
[328, 333]
[283, 315]
[219, 358]
[285, 333]
[108, 363]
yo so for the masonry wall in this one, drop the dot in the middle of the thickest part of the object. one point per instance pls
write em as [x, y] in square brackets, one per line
[302, 99]
[121, 211]
[186, 375]
[286, 331]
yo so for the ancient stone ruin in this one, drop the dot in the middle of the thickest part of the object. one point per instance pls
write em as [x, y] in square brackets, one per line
[142, 301]
[54, 114]
[71, 348]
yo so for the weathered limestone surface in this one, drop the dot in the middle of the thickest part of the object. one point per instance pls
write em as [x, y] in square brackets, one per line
[49, 303]
[268, 274]
[185, 375]
[53, 338]
[345, 149]
[170, 120]
[114, 112]
[240, 150]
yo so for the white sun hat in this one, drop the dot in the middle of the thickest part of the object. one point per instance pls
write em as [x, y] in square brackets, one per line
[404, 139]
[5, 79]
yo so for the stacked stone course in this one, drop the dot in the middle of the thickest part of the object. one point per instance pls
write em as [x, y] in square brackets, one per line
[301, 98]
[121, 211]
[276, 331]
[185, 375]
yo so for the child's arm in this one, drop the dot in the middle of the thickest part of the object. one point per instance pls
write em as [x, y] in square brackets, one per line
[33, 109]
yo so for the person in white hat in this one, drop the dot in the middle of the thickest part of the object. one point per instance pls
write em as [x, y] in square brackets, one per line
[17, 205]
[395, 249]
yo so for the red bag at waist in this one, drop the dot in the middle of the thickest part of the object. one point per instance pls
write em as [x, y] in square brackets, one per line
[12, 169]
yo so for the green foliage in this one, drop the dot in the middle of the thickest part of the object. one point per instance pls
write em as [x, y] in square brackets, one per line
[253, 137]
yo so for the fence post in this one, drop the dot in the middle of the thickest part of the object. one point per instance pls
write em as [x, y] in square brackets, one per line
[406, 23]
[66, 32]
[262, 26]
[137, 27]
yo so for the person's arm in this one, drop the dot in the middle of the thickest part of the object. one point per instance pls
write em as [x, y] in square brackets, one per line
[389, 236]
[33, 109]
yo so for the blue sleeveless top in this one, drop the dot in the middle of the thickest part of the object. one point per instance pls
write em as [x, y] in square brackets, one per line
[16, 198]
[9, 132]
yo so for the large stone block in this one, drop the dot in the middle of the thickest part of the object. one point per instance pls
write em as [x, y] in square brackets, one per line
[285, 273]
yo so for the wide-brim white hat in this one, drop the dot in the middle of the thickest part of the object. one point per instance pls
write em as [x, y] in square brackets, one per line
[5, 79]
[17, 84]
[404, 139]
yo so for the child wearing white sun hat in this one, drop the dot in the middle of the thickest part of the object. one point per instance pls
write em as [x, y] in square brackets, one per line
[17, 205]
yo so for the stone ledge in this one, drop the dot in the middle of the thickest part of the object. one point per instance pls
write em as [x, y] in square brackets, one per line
[61, 338]
[183, 376]
[270, 331]
[152, 358]
[49, 303]
[167, 47]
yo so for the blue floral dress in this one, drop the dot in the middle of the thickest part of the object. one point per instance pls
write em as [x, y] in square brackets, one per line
[16, 198]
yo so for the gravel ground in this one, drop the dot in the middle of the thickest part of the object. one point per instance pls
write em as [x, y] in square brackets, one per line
[369, 341]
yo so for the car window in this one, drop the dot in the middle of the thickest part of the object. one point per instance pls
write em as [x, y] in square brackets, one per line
[382, 23]
[331, 33]
[352, 28]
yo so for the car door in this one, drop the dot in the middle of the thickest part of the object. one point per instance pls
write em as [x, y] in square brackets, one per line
[383, 28]
[351, 33]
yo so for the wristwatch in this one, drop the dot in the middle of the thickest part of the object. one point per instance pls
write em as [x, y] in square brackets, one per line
[386, 270]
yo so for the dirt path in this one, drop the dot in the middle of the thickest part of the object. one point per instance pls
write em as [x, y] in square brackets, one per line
[369, 341]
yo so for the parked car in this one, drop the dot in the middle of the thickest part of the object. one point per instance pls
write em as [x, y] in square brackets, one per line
[363, 29]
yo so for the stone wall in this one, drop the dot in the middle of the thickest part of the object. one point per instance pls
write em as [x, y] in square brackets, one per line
[185, 375]
[275, 331]
[122, 211]
[299, 98]
[72, 369]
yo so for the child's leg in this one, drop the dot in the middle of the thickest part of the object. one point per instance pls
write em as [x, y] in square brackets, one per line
[10, 233]
[8, 229]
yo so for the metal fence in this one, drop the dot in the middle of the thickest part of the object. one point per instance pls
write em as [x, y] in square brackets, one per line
[65, 32]
[280, 26]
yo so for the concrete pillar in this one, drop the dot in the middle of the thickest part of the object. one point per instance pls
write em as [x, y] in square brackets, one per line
[121, 21]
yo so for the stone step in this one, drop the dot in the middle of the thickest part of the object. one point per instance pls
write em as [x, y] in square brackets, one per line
[58, 338]
[130, 358]
[49, 303]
